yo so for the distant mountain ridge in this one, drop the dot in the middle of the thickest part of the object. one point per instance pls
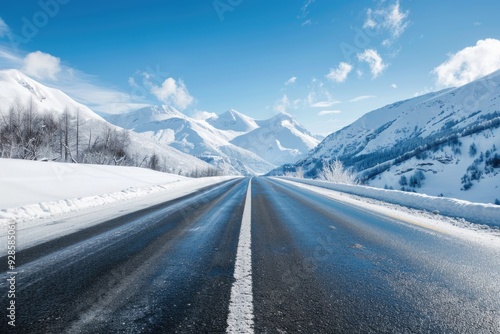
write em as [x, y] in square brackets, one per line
[170, 127]
[231, 141]
[279, 140]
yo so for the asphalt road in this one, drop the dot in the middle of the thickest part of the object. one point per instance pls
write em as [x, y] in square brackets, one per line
[316, 266]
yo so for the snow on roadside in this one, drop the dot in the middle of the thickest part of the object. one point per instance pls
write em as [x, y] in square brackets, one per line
[478, 213]
[430, 221]
[37, 190]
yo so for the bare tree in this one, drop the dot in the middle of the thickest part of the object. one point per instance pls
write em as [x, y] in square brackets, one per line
[77, 134]
[154, 162]
[65, 136]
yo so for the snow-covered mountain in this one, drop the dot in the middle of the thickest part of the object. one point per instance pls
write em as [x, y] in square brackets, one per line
[444, 143]
[18, 91]
[170, 127]
[231, 141]
[280, 139]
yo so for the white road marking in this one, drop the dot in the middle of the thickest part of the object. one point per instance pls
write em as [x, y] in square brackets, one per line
[240, 318]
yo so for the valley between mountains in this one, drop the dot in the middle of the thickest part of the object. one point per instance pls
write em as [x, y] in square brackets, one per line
[441, 144]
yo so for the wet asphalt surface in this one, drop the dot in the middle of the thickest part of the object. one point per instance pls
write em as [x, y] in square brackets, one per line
[318, 266]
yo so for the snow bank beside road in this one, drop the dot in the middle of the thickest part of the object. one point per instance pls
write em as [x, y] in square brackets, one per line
[31, 189]
[479, 213]
[26, 182]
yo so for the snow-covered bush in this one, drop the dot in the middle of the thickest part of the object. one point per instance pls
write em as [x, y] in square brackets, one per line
[295, 172]
[335, 172]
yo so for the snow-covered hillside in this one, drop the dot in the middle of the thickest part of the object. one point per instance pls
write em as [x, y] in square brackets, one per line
[231, 141]
[17, 89]
[19, 92]
[442, 144]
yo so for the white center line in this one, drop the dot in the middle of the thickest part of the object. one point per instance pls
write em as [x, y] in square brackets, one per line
[240, 318]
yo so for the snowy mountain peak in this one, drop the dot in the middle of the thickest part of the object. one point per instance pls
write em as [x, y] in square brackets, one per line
[234, 121]
[285, 120]
[17, 78]
[278, 139]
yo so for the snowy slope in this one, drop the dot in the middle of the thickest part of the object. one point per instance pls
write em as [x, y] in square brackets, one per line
[170, 127]
[18, 90]
[280, 139]
[429, 135]
[234, 121]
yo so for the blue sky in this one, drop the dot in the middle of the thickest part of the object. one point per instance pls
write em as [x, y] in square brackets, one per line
[325, 62]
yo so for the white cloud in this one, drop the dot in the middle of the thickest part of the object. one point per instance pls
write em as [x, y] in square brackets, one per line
[306, 23]
[469, 64]
[291, 81]
[374, 60]
[86, 89]
[370, 22]
[324, 104]
[174, 92]
[328, 112]
[340, 73]
[132, 82]
[42, 65]
[394, 86]
[203, 115]
[4, 29]
[282, 104]
[389, 18]
[113, 107]
[296, 103]
[304, 10]
[362, 98]
[319, 96]
[8, 59]
[424, 91]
